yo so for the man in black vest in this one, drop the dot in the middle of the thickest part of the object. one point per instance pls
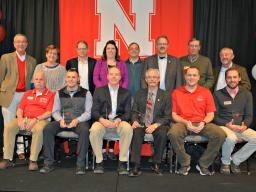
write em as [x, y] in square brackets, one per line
[71, 111]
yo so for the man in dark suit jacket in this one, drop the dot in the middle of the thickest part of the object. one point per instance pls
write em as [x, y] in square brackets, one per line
[226, 58]
[111, 112]
[170, 68]
[150, 114]
[84, 66]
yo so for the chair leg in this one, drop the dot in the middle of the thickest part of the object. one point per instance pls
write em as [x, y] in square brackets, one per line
[128, 160]
[171, 159]
[87, 161]
[248, 167]
[93, 161]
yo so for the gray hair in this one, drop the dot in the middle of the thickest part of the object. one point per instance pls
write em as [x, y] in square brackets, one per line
[151, 69]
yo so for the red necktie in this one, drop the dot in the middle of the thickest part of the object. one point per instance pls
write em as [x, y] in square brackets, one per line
[149, 109]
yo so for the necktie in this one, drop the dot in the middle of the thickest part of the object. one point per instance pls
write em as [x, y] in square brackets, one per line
[149, 109]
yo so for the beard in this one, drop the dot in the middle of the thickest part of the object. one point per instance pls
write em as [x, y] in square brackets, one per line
[232, 87]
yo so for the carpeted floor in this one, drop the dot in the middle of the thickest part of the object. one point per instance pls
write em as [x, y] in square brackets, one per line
[63, 179]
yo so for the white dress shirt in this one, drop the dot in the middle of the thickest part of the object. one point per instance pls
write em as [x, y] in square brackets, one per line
[221, 83]
[113, 95]
[162, 64]
[83, 73]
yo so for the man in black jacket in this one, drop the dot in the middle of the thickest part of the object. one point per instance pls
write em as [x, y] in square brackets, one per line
[111, 112]
[150, 114]
[84, 65]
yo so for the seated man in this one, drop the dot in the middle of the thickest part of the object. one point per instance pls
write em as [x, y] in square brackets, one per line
[111, 112]
[192, 111]
[71, 111]
[150, 114]
[32, 113]
[234, 115]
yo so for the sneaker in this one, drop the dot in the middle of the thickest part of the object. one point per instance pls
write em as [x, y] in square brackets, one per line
[112, 156]
[4, 164]
[46, 168]
[183, 170]
[33, 166]
[122, 170]
[156, 168]
[235, 169]
[203, 171]
[80, 170]
[225, 169]
[99, 168]
[135, 172]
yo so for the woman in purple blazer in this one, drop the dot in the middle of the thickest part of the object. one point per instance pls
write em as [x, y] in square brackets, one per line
[110, 58]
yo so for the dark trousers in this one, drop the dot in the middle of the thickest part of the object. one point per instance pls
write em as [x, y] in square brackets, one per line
[215, 136]
[51, 130]
[159, 144]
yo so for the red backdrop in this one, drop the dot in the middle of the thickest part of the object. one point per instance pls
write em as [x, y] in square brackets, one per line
[79, 20]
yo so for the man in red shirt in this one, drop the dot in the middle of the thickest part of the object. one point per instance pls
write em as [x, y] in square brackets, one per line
[192, 111]
[32, 114]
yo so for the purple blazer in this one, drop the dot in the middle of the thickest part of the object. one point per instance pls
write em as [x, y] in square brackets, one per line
[101, 70]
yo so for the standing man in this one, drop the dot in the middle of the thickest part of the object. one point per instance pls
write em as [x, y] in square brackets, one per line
[234, 115]
[201, 62]
[71, 111]
[169, 66]
[16, 70]
[111, 111]
[134, 65]
[192, 111]
[226, 58]
[32, 114]
[150, 114]
[84, 66]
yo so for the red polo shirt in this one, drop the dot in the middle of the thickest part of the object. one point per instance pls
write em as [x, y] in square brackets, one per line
[21, 86]
[192, 106]
[33, 105]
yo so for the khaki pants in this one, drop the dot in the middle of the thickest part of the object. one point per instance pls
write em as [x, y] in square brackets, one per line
[11, 129]
[97, 132]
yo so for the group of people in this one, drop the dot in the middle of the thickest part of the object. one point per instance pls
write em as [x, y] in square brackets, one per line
[164, 96]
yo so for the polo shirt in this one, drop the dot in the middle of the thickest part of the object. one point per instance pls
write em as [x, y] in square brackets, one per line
[34, 105]
[192, 106]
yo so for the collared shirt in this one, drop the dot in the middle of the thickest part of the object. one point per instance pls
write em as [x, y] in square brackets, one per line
[83, 73]
[162, 64]
[192, 106]
[193, 58]
[113, 95]
[83, 117]
[22, 58]
[221, 83]
[134, 75]
[34, 105]
[232, 92]
[153, 105]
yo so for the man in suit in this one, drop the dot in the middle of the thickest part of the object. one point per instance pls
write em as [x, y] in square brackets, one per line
[203, 63]
[150, 114]
[16, 70]
[111, 112]
[169, 66]
[226, 58]
[84, 66]
[192, 111]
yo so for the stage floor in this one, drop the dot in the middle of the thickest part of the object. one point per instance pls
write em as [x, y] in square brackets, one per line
[63, 179]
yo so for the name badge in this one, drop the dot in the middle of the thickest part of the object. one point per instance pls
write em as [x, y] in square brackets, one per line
[30, 98]
[227, 102]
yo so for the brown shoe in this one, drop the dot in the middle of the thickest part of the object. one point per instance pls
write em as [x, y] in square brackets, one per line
[4, 164]
[33, 166]
[21, 156]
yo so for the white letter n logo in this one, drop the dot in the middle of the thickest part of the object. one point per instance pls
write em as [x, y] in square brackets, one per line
[113, 17]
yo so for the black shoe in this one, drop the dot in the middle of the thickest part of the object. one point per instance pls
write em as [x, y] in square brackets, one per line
[122, 170]
[112, 156]
[203, 171]
[99, 168]
[47, 168]
[235, 169]
[135, 172]
[183, 170]
[157, 170]
[80, 170]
